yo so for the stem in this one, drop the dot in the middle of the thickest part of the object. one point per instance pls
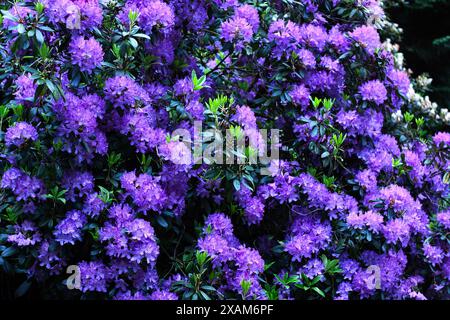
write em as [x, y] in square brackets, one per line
[220, 63]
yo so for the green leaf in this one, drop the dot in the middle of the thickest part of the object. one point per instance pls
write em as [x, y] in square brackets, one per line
[201, 257]
[6, 266]
[162, 222]
[22, 289]
[209, 288]
[44, 51]
[50, 86]
[39, 7]
[204, 295]
[132, 16]
[325, 154]
[316, 279]
[133, 43]
[20, 28]
[198, 83]
[187, 295]
[320, 292]
[8, 252]
[268, 265]
[39, 36]
[245, 285]
[142, 35]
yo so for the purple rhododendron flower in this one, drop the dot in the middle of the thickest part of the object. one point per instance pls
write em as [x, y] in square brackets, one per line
[20, 133]
[68, 230]
[237, 29]
[367, 37]
[300, 95]
[250, 14]
[442, 138]
[26, 88]
[115, 160]
[433, 254]
[25, 234]
[22, 185]
[373, 91]
[444, 218]
[400, 80]
[87, 54]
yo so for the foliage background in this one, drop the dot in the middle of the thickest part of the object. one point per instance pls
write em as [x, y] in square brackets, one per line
[172, 234]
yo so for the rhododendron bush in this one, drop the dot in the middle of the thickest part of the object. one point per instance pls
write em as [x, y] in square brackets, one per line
[97, 186]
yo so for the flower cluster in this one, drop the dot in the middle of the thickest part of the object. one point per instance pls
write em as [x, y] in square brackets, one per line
[20, 133]
[87, 54]
[238, 262]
